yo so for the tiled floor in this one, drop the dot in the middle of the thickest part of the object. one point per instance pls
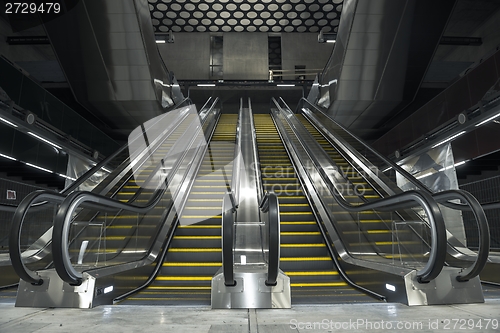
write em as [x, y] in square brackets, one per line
[376, 317]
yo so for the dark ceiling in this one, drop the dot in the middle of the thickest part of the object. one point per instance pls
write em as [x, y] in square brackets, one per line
[245, 15]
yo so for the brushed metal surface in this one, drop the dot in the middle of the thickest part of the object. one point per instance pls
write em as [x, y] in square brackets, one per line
[56, 293]
[396, 283]
[251, 291]
[248, 229]
[445, 289]
[381, 54]
[108, 53]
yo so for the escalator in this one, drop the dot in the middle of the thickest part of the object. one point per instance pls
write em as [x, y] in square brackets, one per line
[194, 255]
[99, 235]
[121, 238]
[375, 225]
[375, 234]
[304, 254]
[117, 238]
[118, 226]
[470, 260]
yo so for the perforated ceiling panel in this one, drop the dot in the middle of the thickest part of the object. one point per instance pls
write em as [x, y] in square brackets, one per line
[245, 15]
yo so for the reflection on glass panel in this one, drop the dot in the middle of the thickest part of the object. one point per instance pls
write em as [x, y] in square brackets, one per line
[7, 134]
[33, 98]
[35, 234]
[54, 111]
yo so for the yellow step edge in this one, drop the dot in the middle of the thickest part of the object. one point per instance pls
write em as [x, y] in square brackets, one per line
[294, 205]
[197, 237]
[303, 245]
[200, 217]
[198, 249]
[280, 178]
[285, 190]
[398, 256]
[299, 233]
[368, 231]
[204, 193]
[211, 186]
[172, 293]
[183, 278]
[191, 264]
[305, 259]
[375, 221]
[178, 288]
[319, 284]
[201, 200]
[99, 251]
[199, 226]
[311, 273]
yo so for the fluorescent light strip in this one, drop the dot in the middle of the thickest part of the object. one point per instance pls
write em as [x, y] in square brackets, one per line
[67, 177]
[487, 120]
[8, 122]
[387, 169]
[206, 85]
[37, 167]
[329, 83]
[160, 41]
[161, 82]
[8, 157]
[331, 41]
[108, 171]
[449, 139]
[454, 165]
[424, 175]
[44, 140]
[285, 85]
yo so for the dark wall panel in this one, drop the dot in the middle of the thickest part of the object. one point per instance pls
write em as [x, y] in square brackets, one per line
[460, 96]
[481, 79]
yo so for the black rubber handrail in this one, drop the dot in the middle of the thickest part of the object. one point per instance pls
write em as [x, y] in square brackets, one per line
[470, 204]
[15, 233]
[228, 210]
[42, 197]
[99, 165]
[270, 205]
[17, 222]
[159, 260]
[482, 225]
[334, 254]
[62, 224]
[165, 244]
[407, 199]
